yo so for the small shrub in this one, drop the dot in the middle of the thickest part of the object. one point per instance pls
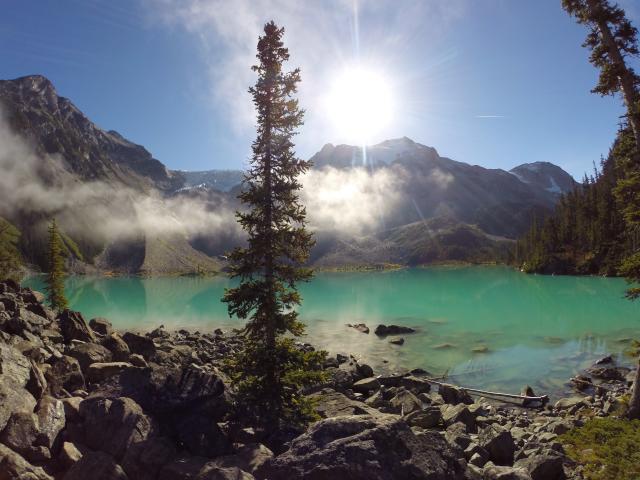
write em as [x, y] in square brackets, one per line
[607, 448]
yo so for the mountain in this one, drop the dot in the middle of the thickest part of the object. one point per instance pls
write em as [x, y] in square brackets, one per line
[545, 175]
[122, 210]
[57, 127]
[222, 180]
[498, 202]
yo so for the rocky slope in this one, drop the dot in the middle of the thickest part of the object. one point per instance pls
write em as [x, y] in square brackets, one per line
[82, 400]
[545, 175]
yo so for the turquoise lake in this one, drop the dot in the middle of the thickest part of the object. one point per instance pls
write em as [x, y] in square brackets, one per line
[537, 330]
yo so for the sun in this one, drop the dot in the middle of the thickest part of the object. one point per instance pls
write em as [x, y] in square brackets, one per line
[359, 104]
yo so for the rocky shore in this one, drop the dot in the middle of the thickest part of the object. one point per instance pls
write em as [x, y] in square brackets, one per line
[80, 400]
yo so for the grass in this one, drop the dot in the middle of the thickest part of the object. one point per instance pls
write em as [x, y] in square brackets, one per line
[607, 448]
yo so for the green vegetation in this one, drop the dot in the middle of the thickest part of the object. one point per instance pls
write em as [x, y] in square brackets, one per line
[55, 273]
[271, 370]
[10, 259]
[607, 448]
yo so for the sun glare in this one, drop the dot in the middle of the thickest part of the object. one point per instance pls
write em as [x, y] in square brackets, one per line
[359, 104]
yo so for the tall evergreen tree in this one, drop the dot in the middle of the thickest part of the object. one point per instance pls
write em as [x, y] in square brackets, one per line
[271, 371]
[10, 260]
[611, 40]
[56, 274]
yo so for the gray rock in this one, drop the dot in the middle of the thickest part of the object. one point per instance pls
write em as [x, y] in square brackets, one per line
[112, 426]
[88, 353]
[197, 468]
[454, 395]
[73, 327]
[498, 442]
[51, 420]
[428, 418]
[117, 346]
[37, 383]
[140, 344]
[72, 408]
[138, 360]
[101, 326]
[366, 385]
[98, 372]
[397, 341]
[65, 373]
[201, 436]
[14, 367]
[364, 448]
[13, 400]
[69, 455]
[459, 413]
[14, 467]
[415, 384]
[497, 472]
[383, 330]
[144, 460]
[248, 458]
[405, 402]
[334, 404]
[543, 466]
[21, 432]
[96, 466]
[364, 370]
[456, 435]
[570, 402]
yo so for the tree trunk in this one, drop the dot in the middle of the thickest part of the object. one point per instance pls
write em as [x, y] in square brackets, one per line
[627, 84]
[634, 402]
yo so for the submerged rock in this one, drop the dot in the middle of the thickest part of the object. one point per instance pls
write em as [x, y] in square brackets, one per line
[383, 330]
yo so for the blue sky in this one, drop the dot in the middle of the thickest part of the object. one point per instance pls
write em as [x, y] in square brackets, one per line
[494, 82]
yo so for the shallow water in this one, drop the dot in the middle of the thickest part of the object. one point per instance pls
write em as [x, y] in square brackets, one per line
[526, 329]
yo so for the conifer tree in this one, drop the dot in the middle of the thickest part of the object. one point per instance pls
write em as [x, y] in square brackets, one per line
[56, 274]
[611, 40]
[271, 371]
[10, 261]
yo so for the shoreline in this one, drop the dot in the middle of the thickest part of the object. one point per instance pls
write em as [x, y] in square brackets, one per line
[80, 397]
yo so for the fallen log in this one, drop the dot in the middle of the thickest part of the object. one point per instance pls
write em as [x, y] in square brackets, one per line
[544, 399]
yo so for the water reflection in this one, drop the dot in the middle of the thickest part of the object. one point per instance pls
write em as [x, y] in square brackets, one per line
[488, 326]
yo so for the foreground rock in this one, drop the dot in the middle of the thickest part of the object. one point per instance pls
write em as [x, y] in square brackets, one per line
[364, 448]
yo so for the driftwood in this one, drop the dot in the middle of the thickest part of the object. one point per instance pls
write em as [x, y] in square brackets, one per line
[524, 398]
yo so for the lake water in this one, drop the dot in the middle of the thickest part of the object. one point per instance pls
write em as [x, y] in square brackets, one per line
[525, 329]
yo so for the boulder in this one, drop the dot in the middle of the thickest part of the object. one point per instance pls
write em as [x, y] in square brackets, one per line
[96, 466]
[364, 370]
[140, 344]
[570, 402]
[101, 326]
[454, 395]
[429, 418]
[457, 436]
[459, 413]
[71, 407]
[65, 373]
[366, 385]
[15, 368]
[98, 372]
[73, 327]
[13, 400]
[364, 448]
[497, 472]
[138, 360]
[543, 466]
[201, 435]
[498, 442]
[14, 467]
[396, 341]
[114, 425]
[69, 455]
[330, 403]
[383, 330]
[159, 332]
[21, 432]
[144, 460]
[361, 327]
[88, 353]
[247, 458]
[415, 384]
[197, 468]
[405, 402]
[37, 383]
[117, 346]
[51, 420]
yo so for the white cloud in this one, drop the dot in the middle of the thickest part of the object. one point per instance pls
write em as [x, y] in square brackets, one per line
[323, 37]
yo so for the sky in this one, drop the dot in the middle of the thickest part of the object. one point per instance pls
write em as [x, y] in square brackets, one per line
[495, 83]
